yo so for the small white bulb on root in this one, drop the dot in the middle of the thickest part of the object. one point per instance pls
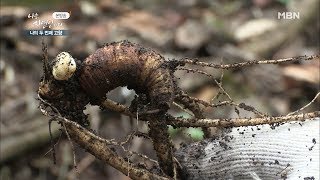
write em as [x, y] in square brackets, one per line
[64, 66]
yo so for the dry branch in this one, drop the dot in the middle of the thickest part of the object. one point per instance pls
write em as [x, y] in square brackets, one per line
[247, 63]
[236, 122]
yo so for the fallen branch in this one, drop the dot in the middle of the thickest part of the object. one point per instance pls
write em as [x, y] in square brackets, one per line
[236, 122]
[247, 63]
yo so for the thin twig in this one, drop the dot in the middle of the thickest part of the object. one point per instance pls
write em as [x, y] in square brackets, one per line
[241, 105]
[52, 144]
[64, 127]
[72, 147]
[191, 122]
[83, 164]
[307, 105]
[222, 89]
[45, 60]
[219, 92]
[247, 63]
[195, 71]
[183, 109]
[236, 122]
[231, 103]
[51, 149]
[131, 153]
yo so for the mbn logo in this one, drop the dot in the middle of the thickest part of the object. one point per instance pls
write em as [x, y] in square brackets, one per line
[288, 15]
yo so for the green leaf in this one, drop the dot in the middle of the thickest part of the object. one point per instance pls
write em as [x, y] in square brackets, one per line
[195, 133]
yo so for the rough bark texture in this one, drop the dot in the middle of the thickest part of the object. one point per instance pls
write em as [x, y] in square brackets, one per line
[162, 144]
[288, 151]
[100, 150]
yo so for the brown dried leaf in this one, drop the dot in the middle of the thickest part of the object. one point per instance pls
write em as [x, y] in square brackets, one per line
[307, 73]
[148, 26]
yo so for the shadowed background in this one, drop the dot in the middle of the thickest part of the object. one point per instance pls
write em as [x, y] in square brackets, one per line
[213, 31]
